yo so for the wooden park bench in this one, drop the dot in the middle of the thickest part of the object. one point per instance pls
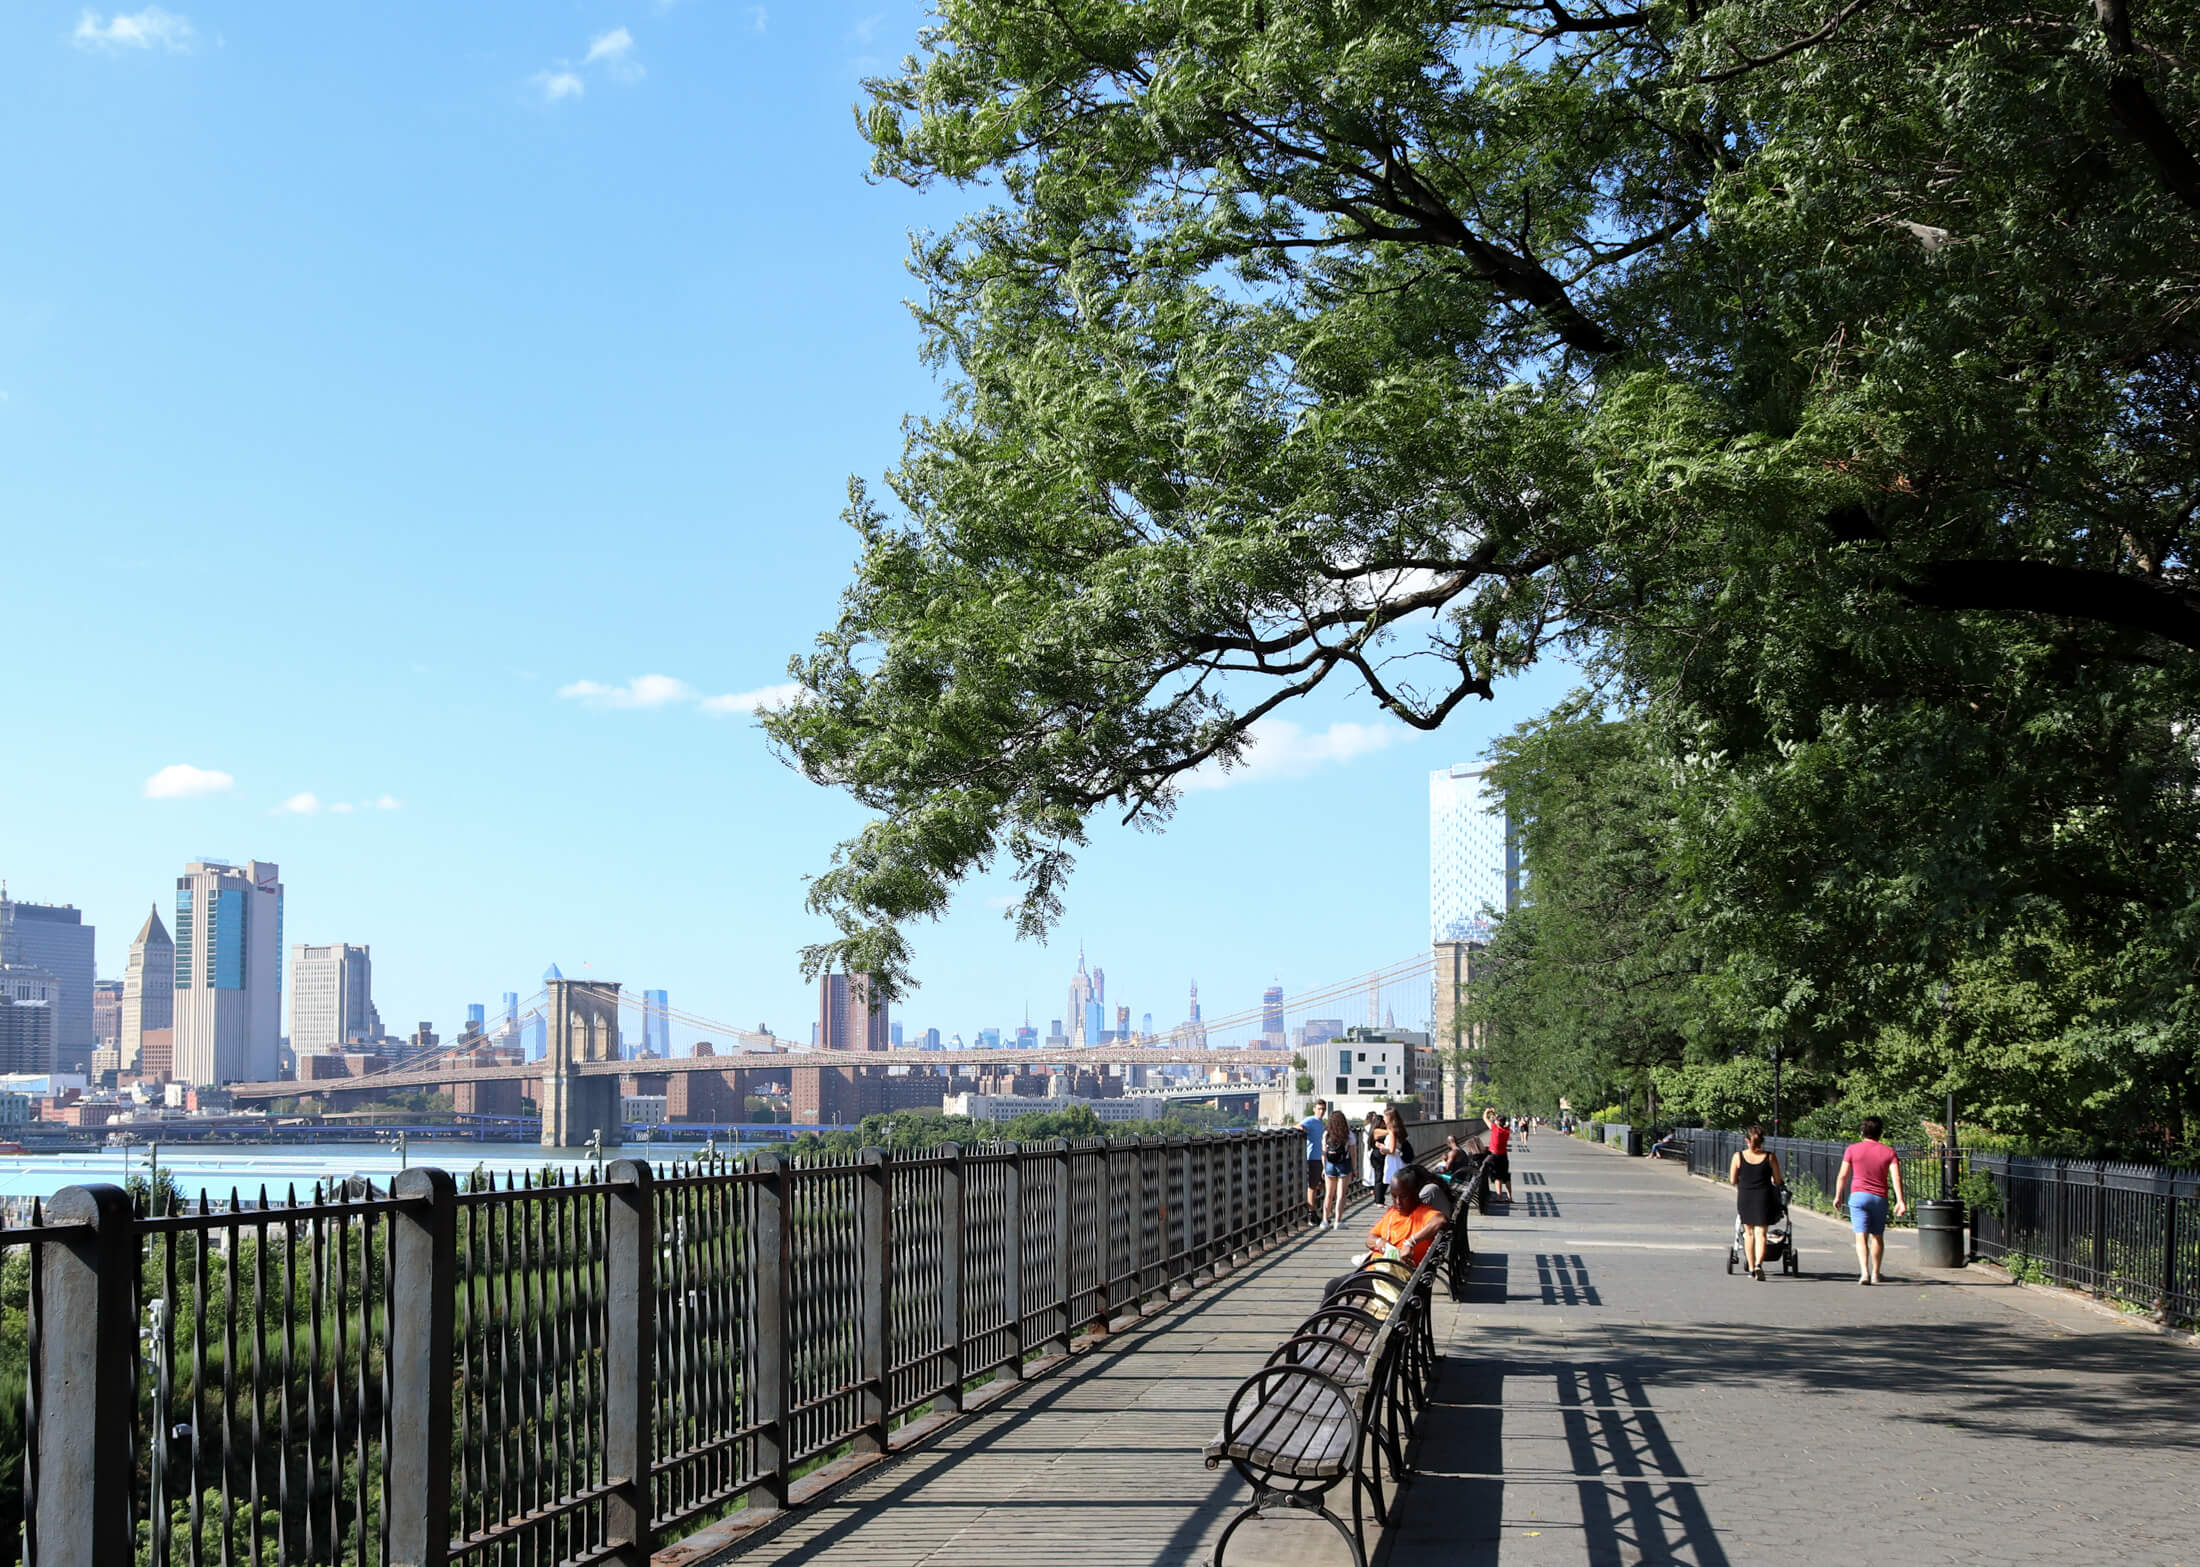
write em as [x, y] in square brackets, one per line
[1337, 1401]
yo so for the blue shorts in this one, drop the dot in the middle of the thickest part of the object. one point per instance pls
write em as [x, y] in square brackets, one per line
[1867, 1213]
[1337, 1169]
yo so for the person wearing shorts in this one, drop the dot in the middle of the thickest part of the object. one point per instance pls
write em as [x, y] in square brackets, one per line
[1315, 1126]
[1336, 1169]
[1497, 1168]
[1877, 1176]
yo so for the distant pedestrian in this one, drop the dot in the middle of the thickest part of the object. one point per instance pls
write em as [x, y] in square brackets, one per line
[1315, 1126]
[1877, 1172]
[1336, 1167]
[1521, 1123]
[1374, 1135]
[1755, 1174]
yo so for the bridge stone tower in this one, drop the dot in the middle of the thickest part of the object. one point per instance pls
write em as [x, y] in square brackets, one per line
[584, 1026]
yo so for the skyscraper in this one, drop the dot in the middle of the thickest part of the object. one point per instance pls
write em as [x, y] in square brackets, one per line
[847, 1018]
[106, 1014]
[148, 990]
[1473, 858]
[53, 937]
[331, 998]
[229, 988]
[656, 1023]
[1081, 998]
[1271, 1013]
[29, 1001]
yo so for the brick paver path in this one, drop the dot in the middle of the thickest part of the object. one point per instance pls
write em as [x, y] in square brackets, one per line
[1610, 1396]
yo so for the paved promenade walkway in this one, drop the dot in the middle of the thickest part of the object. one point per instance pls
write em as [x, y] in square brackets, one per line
[1610, 1396]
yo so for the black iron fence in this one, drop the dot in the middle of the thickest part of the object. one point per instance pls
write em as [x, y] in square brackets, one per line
[2125, 1232]
[561, 1369]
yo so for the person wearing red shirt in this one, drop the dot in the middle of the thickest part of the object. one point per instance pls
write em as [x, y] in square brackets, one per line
[1876, 1171]
[1497, 1170]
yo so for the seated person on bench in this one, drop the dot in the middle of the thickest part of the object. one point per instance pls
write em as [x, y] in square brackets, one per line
[1407, 1228]
[1460, 1159]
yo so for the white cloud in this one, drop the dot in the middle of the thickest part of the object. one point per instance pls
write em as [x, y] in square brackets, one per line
[750, 701]
[653, 691]
[759, 15]
[341, 808]
[614, 51]
[147, 29]
[181, 781]
[304, 803]
[1005, 900]
[560, 84]
[1281, 749]
[641, 691]
[866, 30]
[387, 802]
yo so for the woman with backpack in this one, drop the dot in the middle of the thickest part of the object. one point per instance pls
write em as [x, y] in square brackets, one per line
[1336, 1168]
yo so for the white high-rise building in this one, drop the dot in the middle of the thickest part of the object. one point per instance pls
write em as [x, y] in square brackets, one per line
[148, 990]
[331, 998]
[1473, 858]
[229, 973]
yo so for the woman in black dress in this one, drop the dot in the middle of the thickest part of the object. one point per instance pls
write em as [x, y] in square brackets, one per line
[1756, 1177]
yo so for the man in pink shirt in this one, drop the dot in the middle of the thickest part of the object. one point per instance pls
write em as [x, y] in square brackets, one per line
[1876, 1171]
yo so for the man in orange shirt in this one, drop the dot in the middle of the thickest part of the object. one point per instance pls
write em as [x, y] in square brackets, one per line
[1407, 1228]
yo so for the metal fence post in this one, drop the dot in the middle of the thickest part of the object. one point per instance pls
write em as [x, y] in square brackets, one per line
[1138, 1199]
[1012, 1274]
[952, 1258]
[2169, 1251]
[773, 1271]
[2100, 1227]
[1062, 1269]
[874, 1353]
[630, 1360]
[423, 1266]
[80, 1465]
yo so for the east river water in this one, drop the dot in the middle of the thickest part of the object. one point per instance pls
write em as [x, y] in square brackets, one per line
[246, 1168]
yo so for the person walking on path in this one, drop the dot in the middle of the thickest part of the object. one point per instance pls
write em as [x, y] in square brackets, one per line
[1755, 1174]
[1877, 1173]
[1336, 1167]
[1375, 1134]
[1497, 1169]
[1316, 1127]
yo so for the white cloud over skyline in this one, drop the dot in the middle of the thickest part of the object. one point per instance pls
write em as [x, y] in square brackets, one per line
[304, 803]
[182, 781]
[560, 84]
[147, 29]
[1281, 749]
[614, 51]
[750, 701]
[655, 691]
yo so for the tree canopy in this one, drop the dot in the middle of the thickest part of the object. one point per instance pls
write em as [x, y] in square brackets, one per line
[1809, 359]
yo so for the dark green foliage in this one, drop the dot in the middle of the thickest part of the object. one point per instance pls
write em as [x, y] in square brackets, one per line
[1836, 379]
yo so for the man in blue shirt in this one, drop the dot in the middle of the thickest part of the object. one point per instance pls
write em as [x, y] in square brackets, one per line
[1313, 1126]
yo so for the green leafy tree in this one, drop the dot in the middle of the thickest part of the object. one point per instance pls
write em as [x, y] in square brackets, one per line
[1305, 345]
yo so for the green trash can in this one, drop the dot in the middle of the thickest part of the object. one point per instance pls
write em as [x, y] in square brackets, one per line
[1940, 1233]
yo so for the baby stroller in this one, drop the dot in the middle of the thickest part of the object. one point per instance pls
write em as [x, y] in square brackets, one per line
[1779, 1241]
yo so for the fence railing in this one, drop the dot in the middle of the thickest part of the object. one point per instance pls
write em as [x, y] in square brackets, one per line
[2126, 1232]
[557, 1369]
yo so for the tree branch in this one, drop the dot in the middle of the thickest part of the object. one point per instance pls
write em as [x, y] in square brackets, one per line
[2040, 587]
[2138, 113]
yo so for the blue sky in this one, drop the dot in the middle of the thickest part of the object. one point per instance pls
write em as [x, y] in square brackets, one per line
[371, 376]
